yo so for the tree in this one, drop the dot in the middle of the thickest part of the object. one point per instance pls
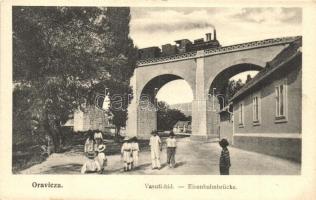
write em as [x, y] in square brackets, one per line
[120, 90]
[167, 117]
[64, 55]
[231, 88]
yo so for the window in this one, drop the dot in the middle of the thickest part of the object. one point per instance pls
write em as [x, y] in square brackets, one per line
[256, 109]
[280, 100]
[241, 114]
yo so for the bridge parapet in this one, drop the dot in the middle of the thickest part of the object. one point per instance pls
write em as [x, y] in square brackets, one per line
[172, 58]
[220, 50]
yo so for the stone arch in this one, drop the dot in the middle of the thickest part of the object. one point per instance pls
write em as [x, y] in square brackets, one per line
[157, 82]
[146, 108]
[218, 102]
[223, 76]
[232, 69]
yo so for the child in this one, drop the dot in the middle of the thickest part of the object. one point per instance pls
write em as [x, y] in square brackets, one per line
[90, 166]
[101, 158]
[171, 150]
[98, 137]
[126, 153]
[90, 144]
[224, 161]
[155, 148]
[135, 150]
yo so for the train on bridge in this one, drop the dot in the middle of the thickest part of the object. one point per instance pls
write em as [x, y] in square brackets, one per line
[181, 46]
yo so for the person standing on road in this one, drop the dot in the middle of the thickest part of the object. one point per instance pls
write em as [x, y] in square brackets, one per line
[155, 147]
[135, 151]
[126, 153]
[224, 161]
[171, 150]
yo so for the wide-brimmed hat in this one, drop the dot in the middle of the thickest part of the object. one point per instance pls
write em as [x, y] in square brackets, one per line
[91, 155]
[223, 143]
[154, 132]
[101, 148]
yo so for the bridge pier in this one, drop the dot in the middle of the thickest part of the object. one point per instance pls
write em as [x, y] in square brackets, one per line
[142, 119]
[142, 115]
[204, 121]
[203, 114]
[146, 119]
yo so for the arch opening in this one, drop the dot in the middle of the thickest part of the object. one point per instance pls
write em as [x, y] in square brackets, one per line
[175, 92]
[219, 92]
[153, 87]
[220, 84]
[163, 115]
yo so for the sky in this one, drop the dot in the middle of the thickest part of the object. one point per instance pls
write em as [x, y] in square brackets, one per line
[157, 26]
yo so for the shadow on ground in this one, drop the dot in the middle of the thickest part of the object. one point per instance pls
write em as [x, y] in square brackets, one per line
[73, 168]
[179, 164]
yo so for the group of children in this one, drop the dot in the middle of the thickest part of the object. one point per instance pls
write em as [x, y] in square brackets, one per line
[95, 151]
[129, 153]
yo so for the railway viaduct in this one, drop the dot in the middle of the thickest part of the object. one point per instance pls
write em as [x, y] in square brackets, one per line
[205, 71]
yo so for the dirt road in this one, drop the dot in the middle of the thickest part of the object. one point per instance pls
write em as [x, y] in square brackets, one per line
[193, 158]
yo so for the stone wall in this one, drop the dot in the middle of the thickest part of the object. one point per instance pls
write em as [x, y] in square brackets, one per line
[92, 118]
[226, 130]
[289, 148]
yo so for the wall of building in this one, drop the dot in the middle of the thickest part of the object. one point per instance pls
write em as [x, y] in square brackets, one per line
[288, 148]
[226, 130]
[78, 120]
[270, 136]
[226, 126]
[91, 119]
[268, 123]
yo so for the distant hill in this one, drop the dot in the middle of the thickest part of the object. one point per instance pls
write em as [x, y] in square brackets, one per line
[186, 108]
